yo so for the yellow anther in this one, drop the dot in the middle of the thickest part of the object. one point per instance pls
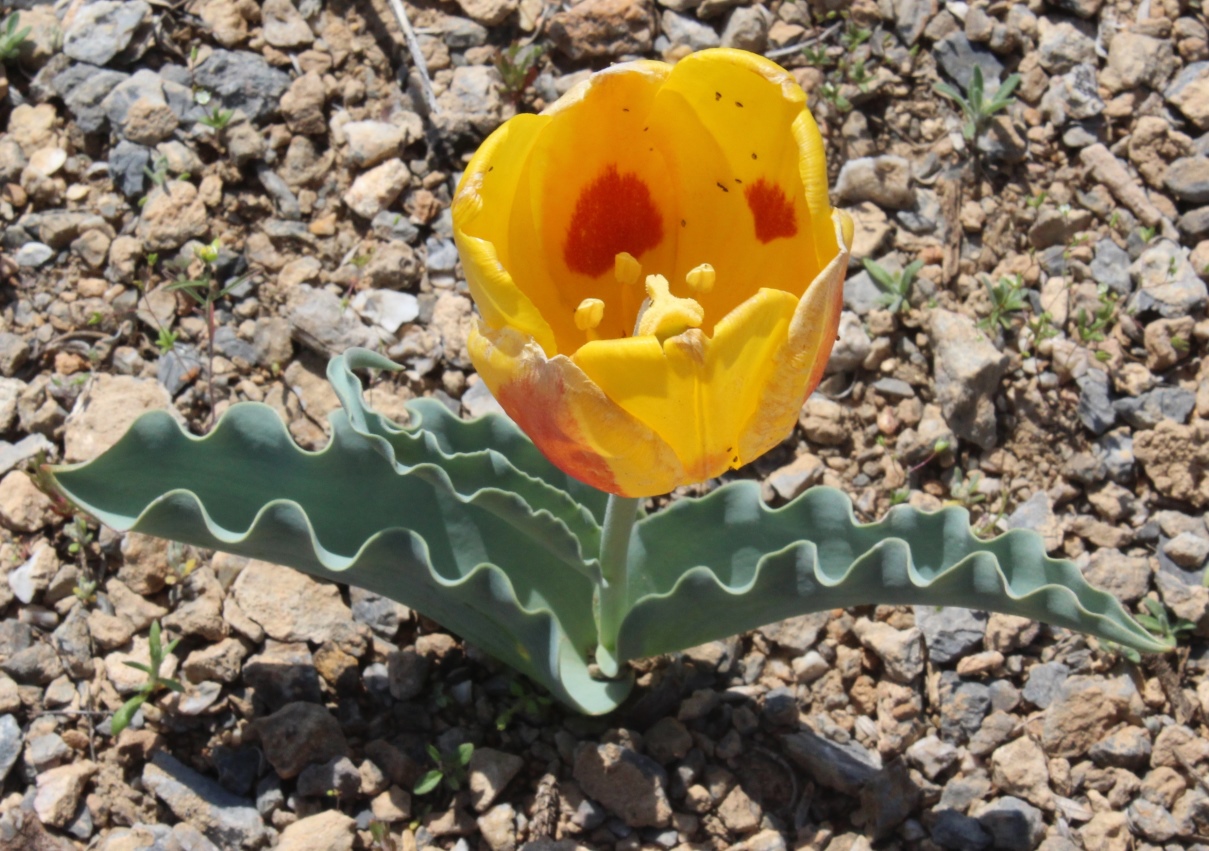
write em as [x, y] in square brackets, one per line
[589, 313]
[700, 279]
[626, 268]
[664, 315]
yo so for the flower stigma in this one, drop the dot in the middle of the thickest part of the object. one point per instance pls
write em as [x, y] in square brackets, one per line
[664, 315]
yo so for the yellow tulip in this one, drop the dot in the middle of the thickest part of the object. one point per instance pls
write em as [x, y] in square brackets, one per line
[658, 269]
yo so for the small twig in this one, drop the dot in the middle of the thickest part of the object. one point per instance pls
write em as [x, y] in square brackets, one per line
[417, 57]
[794, 48]
[89, 713]
[1169, 681]
[1191, 769]
[210, 328]
[544, 822]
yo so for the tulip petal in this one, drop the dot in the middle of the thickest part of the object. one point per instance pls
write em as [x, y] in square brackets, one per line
[594, 186]
[575, 425]
[798, 367]
[748, 163]
[481, 216]
[696, 393]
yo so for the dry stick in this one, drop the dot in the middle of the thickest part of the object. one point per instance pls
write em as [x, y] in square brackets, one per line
[1169, 681]
[545, 808]
[796, 48]
[417, 57]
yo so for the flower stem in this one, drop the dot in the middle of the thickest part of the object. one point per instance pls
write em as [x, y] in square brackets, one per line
[620, 516]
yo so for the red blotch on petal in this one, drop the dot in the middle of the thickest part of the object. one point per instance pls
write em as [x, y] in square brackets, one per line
[537, 405]
[614, 213]
[771, 210]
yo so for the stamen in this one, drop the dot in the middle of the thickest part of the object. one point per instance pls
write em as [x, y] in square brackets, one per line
[664, 315]
[589, 313]
[700, 279]
[626, 268]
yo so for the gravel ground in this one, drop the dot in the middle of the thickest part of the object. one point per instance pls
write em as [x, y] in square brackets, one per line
[1045, 369]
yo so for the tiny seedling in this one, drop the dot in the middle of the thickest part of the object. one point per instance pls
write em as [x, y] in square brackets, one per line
[831, 94]
[1158, 621]
[217, 119]
[896, 286]
[182, 562]
[160, 173]
[816, 55]
[207, 291]
[81, 537]
[1035, 201]
[12, 38]
[166, 339]
[964, 489]
[158, 652]
[854, 36]
[526, 702]
[979, 111]
[379, 834]
[518, 67]
[79, 534]
[940, 447]
[85, 590]
[1042, 327]
[1007, 298]
[449, 768]
[1147, 233]
[857, 74]
[1091, 328]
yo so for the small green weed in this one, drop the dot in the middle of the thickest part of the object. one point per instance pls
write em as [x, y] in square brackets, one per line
[831, 94]
[979, 111]
[158, 652]
[964, 489]
[1091, 328]
[816, 55]
[1007, 298]
[166, 340]
[160, 174]
[379, 834]
[518, 67]
[207, 291]
[526, 702]
[854, 36]
[217, 119]
[1158, 622]
[449, 768]
[896, 286]
[1042, 327]
[12, 38]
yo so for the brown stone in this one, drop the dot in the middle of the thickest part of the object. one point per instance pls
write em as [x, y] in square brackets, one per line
[595, 29]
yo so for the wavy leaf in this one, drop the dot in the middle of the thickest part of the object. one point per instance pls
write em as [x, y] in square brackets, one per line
[469, 524]
[489, 449]
[704, 569]
[468, 561]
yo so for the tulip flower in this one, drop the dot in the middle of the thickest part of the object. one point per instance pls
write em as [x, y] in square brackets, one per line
[658, 269]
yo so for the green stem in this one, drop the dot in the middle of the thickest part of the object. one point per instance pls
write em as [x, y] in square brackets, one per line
[620, 516]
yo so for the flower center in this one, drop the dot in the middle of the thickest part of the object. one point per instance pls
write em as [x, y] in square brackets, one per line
[662, 315]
